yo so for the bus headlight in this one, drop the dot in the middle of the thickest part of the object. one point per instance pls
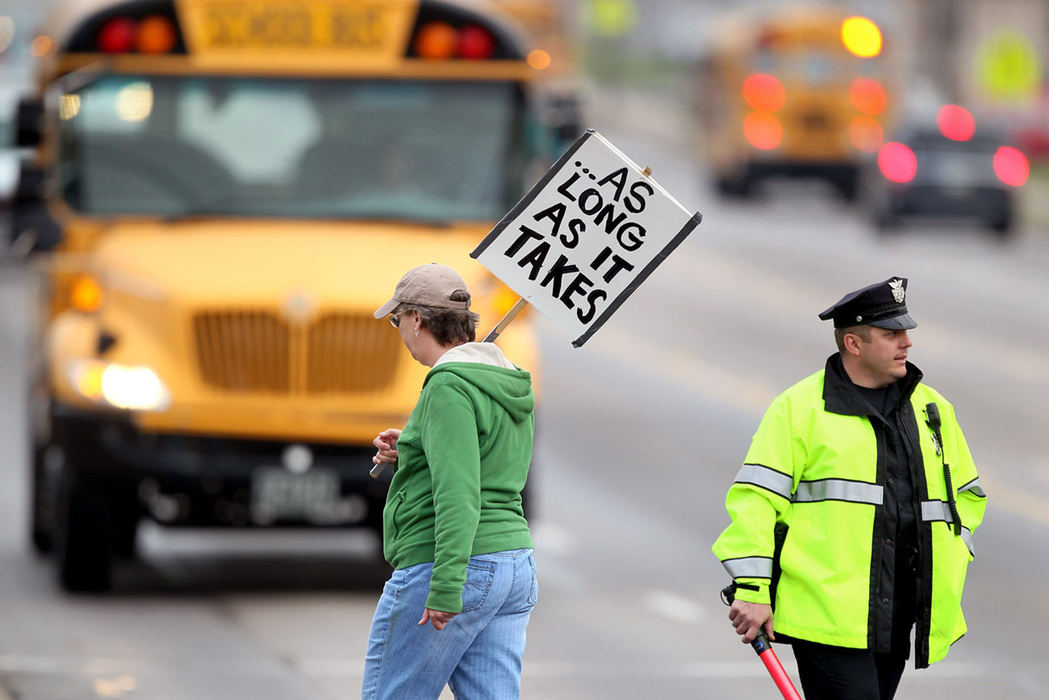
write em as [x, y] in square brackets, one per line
[133, 388]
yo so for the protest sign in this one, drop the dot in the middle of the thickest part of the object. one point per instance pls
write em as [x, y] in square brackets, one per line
[585, 237]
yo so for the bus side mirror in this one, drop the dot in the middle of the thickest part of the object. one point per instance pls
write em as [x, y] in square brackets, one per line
[566, 119]
[29, 122]
[31, 229]
[30, 183]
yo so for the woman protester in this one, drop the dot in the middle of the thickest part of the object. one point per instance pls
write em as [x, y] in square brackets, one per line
[455, 609]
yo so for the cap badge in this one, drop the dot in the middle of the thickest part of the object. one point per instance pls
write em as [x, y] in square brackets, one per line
[898, 292]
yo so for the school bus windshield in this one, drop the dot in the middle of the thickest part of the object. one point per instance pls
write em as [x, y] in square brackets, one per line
[244, 146]
[814, 66]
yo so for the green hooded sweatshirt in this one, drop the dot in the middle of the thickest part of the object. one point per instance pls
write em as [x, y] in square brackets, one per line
[462, 461]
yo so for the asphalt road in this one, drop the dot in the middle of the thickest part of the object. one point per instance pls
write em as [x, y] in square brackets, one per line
[640, 433]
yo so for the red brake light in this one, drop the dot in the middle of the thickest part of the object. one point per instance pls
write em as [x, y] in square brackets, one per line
[762, 130]
[442, 41]
[1011, 166]
[868, 96]
[897, 162]
[955, 123]
[117, 35]
[475, 42]
[866, 134]
[763, 92]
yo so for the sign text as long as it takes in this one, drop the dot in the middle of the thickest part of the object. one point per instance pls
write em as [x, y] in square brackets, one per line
[583, 239]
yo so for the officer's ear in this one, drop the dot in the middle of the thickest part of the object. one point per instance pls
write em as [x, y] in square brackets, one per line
[852, 341]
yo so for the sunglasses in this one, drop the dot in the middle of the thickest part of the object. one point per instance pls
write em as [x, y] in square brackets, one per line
[395, 320]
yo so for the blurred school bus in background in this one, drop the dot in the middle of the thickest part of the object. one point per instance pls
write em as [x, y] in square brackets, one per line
[554, 54]
[802, 91]
[223, 192]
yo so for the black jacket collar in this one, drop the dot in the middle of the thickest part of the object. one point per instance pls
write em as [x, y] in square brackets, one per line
[840, 394]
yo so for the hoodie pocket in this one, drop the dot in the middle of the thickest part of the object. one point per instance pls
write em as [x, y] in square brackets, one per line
[389, 514]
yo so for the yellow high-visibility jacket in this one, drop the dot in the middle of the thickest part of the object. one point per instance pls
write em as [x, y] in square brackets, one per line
[817, 466]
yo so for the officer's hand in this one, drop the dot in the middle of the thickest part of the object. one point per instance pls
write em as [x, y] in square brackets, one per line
[748, 618]
[438, 618]
[386, 446]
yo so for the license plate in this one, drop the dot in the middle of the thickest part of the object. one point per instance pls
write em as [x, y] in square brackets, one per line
[954, 174]
[277, 494]
[362, 27]
[815, 121]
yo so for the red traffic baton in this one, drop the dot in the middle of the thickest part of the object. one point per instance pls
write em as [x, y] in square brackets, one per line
[764, 651]
[775, 668]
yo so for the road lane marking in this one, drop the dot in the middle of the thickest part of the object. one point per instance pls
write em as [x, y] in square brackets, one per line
[744, 668]
[565, 577]
[768, 294]
[1016, 501]
[673, 606]
[554, 539]
[342, 668]
[115, 687]
[686, 369]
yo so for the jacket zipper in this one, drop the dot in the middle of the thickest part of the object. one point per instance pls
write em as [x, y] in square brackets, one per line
[921, 631]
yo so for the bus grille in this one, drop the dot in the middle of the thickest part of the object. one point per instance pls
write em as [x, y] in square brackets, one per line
[258, 351]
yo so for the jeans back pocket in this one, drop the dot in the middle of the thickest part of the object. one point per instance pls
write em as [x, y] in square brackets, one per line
[533, 593]
[479, 577]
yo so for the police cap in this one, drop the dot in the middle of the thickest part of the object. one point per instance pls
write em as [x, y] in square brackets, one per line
[883, 305]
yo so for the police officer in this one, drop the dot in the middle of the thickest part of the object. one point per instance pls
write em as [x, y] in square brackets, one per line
[860, 492]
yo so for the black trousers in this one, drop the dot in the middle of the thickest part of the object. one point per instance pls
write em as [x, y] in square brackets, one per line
[837, 673]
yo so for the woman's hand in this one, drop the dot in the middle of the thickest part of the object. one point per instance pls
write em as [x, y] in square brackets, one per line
[438, 618]
[386, 446]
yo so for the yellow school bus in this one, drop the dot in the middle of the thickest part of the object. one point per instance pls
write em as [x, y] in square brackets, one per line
[794, 91]
[553, 54]
[224, 191]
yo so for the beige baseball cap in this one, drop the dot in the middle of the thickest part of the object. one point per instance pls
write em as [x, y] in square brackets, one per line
[428, 285]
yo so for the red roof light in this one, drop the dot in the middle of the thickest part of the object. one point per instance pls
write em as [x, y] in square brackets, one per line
[117, 35]
[475, 42]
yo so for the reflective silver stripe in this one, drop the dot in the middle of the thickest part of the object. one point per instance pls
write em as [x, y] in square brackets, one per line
[767, 478]
[975, 486]
[936, 510]
[838, 490]
[749, 567]
[967, 538]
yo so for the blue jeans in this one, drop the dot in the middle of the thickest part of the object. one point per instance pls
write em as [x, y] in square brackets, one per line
[477, 654]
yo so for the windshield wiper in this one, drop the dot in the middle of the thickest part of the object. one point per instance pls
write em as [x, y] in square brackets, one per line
[211, 207]
[220, 205]
[399, 217]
